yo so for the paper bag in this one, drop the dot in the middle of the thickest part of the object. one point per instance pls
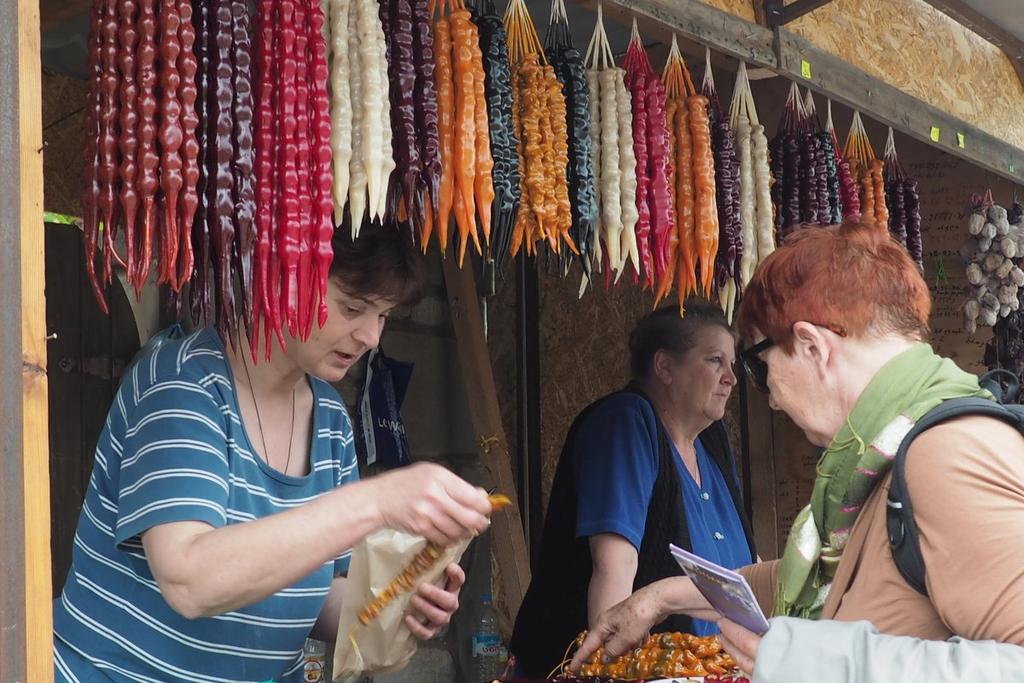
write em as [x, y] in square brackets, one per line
[385, 644]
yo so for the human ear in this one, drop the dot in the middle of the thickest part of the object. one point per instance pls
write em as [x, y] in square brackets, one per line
[663, 366]
[813, 345]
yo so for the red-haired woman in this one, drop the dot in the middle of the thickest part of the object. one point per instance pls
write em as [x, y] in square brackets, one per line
[837, 319]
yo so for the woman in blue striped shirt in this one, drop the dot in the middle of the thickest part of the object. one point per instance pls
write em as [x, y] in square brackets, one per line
[225, 499]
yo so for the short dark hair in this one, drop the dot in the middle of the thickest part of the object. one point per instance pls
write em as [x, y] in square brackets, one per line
[381, 263]
[664, 329]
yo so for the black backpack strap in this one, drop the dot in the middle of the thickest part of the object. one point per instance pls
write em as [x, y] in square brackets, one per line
[902, 530]
[1002, 383]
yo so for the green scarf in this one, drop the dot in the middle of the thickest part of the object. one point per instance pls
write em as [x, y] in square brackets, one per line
[906, 388]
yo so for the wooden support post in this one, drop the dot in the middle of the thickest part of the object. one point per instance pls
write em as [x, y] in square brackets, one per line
[26, 632]
[507, 538]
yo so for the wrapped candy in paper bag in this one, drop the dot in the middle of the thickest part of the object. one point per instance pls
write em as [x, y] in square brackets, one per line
[385, 571]
[372, 635]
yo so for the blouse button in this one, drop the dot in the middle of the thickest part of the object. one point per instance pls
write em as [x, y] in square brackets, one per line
[705, 496]
[719, 536]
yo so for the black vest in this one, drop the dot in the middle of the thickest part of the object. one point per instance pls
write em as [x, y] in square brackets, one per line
[554, 610]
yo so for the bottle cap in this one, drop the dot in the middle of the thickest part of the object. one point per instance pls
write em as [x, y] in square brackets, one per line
[485, 598]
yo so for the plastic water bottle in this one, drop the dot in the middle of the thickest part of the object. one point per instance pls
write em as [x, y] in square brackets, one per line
[315, 655]
[488, 652]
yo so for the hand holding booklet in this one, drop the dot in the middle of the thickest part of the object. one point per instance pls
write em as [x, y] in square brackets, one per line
[727, 591]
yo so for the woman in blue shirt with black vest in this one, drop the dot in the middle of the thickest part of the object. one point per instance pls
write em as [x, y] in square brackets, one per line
[640, 468]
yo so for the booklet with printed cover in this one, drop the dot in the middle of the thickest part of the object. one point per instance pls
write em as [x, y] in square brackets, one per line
[727, 591]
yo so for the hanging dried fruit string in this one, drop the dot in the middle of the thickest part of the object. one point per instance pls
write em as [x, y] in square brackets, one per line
[705, 208]
[540, 115]
[651, 146]
[866, 170]
[758, 230]
[292, 225]
[568, 65]
[128, 141]
[785, 165]
[903, 202]
[727, 175]
[141, 153]
[414, 112]
[682, 240]
[829, 196]
[817, 145]
[849, 201]
[361, 148]
[200, 286]
[220, 188]
[504, 143]
[613, 156]
[465, 182]
[694, 182]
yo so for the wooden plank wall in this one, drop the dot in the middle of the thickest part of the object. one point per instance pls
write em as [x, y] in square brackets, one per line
[509, 542]
[25, 640]
[87, 360]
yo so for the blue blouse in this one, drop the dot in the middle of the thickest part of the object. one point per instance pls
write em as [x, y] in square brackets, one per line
[616, 452]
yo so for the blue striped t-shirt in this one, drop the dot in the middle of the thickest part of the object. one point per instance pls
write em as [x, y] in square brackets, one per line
[174, 449]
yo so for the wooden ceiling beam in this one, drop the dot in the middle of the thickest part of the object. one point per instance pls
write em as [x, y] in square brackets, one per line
[987, 28]
[778, 13]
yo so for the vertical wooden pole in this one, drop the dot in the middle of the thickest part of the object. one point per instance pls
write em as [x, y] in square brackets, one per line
[25, 590]
[507, 538]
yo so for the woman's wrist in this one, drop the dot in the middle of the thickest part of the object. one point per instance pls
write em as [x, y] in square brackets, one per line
[675, 595]
[355, 509]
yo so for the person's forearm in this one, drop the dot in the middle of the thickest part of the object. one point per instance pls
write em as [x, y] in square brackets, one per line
[608, 586]
[240, 564]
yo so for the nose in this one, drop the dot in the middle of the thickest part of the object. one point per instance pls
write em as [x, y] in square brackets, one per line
[771, 402]
[730, 376]
[368, 330]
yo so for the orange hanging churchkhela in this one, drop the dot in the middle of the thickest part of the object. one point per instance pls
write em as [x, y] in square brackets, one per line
[539, 114]
[466, 187]
[696, 207]
[867, 171]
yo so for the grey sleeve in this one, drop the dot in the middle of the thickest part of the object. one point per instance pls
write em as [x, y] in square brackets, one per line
[804, 651]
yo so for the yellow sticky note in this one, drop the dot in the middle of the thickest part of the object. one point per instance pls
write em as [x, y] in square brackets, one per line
[935, 134]
[805, 68]
[960, 141]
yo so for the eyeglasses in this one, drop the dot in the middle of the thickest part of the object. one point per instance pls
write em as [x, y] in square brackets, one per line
[757, 369]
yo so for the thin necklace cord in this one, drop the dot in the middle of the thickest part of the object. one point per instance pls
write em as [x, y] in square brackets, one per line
[259, 421]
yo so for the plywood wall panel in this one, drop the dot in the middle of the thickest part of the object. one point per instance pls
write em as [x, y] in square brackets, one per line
[911, 45]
